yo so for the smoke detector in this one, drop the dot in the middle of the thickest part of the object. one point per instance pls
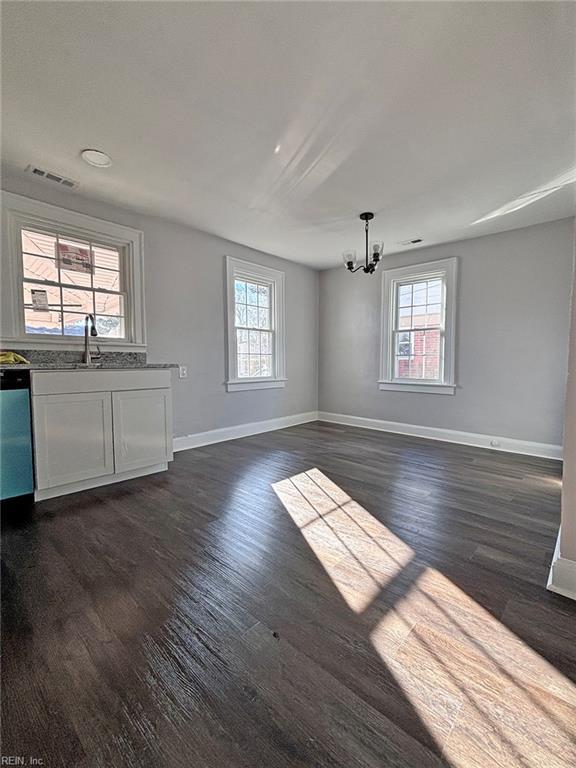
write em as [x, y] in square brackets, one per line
[96, 157]
[55, 178]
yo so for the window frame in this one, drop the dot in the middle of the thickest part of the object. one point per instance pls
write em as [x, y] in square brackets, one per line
[446, 270]
[238, 269]
[25, 213]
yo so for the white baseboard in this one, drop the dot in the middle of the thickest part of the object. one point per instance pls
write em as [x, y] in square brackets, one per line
[508, 444]
[562, 579]
[241, 430]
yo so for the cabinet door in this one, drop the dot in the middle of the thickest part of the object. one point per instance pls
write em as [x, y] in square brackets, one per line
[142, 428]
[72, 437]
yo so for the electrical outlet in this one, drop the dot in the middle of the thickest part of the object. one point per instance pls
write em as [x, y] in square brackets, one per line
[183, 371]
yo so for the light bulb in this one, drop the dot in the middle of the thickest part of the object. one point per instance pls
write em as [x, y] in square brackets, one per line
[349, 259]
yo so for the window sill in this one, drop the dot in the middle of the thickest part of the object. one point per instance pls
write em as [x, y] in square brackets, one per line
[241, 385]
[70, 343]
[412, 386]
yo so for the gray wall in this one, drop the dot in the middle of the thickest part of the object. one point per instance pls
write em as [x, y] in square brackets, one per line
[184, 274]
[512, 335]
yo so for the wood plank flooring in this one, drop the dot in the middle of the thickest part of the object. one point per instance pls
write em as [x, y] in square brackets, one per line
[318, 596]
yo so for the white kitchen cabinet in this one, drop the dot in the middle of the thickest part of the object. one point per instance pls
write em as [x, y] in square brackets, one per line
[72, 437]
[97, 427]
[142, 428]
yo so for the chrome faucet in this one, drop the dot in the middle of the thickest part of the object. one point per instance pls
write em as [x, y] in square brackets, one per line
[88, 320]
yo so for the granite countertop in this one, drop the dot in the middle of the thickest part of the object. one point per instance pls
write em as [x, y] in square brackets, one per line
[82, 367]
[71, 360]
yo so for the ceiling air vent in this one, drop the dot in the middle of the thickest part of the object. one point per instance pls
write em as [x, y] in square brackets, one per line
[55, 178]
[410, 242]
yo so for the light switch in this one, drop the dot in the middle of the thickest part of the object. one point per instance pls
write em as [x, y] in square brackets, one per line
[183, 371]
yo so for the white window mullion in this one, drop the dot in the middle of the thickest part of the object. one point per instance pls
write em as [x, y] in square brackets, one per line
[59, 286]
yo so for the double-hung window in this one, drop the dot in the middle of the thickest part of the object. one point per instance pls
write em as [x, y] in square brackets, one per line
[59, 266]
[418, 328]
[255, 307]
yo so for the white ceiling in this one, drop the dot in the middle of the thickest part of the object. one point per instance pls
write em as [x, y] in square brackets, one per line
[430, 114]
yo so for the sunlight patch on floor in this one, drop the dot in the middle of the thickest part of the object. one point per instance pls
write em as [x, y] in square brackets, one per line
[483, 694]
[359, 553]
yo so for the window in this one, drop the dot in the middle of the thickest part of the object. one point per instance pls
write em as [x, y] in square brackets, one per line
[65, 279]
[418, 328]
[255, 326]
[253, 321]
[59, 266]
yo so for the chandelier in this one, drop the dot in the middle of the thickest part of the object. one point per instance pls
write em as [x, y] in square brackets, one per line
[349, 257]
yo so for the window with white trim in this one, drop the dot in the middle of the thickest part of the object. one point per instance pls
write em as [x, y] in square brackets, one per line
[255, 307]
[418, 328]
[59, 266]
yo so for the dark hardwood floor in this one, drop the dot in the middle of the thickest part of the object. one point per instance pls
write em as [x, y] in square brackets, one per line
[318, 596]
